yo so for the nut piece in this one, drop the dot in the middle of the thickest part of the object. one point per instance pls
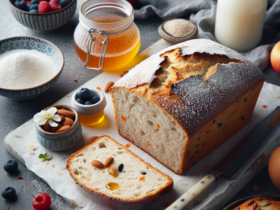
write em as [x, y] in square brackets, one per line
[113, 171]
[108, 86]
[68, 121]
[66, 113]
[97, 164]
[47, 126]
[91, 139]
[63, 128]
[54, 129]
[49, 157]
[108, 161]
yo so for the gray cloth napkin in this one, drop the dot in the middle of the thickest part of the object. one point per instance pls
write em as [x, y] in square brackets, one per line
[203, 12]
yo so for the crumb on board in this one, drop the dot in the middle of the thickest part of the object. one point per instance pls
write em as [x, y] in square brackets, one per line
[264, 106]
[53, 165]
[74, 205]
[31, 152]
[62, 167]
[47, 163]
[98, 88]
[127, 145]
[58, 172]
[278, 96]
[184, 184]
[31, 146]
[75, 80]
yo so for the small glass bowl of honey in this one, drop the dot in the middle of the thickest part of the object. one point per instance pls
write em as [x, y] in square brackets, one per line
[90, 114]
[106, 37]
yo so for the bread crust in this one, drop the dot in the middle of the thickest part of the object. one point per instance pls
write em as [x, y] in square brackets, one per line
[118, 203]
[259, 203]
[192, 99]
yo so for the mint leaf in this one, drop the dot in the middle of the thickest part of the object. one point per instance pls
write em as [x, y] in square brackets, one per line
[44, 156]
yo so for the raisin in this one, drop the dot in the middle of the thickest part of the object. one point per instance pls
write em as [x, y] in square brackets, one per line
[197, 145]
[198, 138]
[245, 99]
[120, 168]
[214, 121]
[144, 173]
[220, 124]
[196, 152]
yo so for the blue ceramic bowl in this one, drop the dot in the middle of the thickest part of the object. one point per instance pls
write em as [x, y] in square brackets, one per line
[32, 43]
[63, 140]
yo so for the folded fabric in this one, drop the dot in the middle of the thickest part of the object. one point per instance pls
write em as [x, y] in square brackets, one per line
[203, 12]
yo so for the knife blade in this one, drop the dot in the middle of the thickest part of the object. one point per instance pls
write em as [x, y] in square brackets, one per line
[235, 160]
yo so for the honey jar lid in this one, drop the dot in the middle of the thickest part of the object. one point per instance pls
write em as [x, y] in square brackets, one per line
[177, 30]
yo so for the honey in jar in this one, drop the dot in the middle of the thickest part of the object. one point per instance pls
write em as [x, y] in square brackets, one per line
[117, 24]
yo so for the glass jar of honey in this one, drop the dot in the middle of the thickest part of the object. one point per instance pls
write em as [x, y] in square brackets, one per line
[106, 37]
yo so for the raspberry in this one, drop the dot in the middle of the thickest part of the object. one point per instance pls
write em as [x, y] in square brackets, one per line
[55, 5]
[44, 7]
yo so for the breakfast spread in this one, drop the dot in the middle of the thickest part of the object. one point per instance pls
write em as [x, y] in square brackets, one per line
[22, 69]
[187, 92]
[260, 203]
[114, 176]
[178, 106]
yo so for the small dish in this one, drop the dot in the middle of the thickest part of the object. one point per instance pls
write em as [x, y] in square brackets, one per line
[63, 140]
[191, 32]
[240, 201]
[90, 114]
[46, 22]
[32, 43]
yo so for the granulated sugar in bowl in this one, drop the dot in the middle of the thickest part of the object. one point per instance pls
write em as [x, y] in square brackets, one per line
[22, 69]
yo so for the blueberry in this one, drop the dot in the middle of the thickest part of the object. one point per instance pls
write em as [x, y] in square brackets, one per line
[64, 3]
[34, 11]
[20, 4]
[35, 1]
[88, 103]
[94, 99]
[80, 101]
[33, 7]
[11, 166]
[9, 193]
[84, 94]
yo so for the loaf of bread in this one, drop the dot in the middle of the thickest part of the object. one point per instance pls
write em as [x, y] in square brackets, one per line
[114, 176]
[185, 101]
[259, 203]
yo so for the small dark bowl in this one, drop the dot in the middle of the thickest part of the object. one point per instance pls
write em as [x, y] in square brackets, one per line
[45, 22]
[239, 202]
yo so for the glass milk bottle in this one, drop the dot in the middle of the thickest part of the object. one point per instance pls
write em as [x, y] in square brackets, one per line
[239, 23]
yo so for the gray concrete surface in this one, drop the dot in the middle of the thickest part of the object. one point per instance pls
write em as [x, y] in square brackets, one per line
[13, 114]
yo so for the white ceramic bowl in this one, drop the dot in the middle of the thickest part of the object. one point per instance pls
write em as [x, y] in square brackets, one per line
[89, 109]
[32, 43]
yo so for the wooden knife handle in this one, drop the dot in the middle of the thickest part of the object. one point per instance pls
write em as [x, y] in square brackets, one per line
[193, 193]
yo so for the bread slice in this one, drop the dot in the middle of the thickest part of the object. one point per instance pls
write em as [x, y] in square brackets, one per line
[182, 103]
[139, 183]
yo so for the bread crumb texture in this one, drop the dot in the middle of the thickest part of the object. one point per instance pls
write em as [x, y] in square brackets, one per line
[128, 185]
[184, 89]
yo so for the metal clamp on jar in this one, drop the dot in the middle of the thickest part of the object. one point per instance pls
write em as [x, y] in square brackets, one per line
[106, 37]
